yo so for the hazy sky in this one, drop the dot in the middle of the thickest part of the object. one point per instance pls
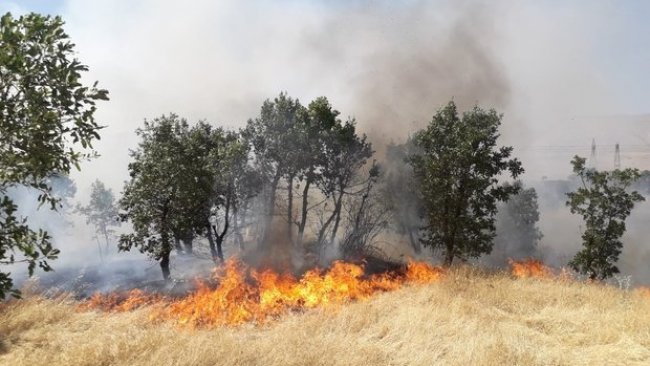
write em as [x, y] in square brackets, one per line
[562, 72]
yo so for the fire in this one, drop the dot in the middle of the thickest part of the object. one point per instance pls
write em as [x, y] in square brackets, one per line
[530, 268]
[120, 301]
[244, 295]
[644, 290]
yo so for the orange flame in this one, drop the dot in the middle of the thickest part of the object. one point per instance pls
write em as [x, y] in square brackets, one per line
[528, 268]
[644, 290]
[238, 299]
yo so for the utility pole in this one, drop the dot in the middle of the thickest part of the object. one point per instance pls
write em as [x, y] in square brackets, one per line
[592, 158]
[617, 157]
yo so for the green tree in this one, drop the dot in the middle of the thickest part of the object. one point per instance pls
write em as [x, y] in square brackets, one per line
[516, 226]
[304, 148]
[604, 203]
[46, 114]
[181, 177]
[400, 195]
[457, 167]
[276, 141]
[101, 211]
[198, 149]
[236, 182]
[153, 200]
[316, 132]
[346, 153]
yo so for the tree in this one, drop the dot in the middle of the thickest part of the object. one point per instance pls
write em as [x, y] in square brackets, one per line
[236, 182]
[457, 168]
[399, 192]
[181, 178]
[347, 153]
[516, 226]
[315, 134]
[275, 141]
[604, 203]
[155, 198]
[46, 114]
[101, 212]
[367, 216]
[199, 148]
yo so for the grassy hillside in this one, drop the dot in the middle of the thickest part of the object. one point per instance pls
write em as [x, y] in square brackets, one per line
[468, 318]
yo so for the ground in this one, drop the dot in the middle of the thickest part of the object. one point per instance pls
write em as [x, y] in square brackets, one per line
[468, 318]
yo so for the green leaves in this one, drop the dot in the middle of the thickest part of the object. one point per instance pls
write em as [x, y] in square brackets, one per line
[457, 165]
[604, 202]
[178, 174]
[45, 113]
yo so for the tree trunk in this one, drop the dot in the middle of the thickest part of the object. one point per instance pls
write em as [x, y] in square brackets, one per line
[235, 228]
[449, 255]
[337, 213]
[213, 250]
[105, 231]
[323, 229]
[99, 246]
[414, 242]
[177, 244]
[165, 244]
[219, 248]
[164, 266]
[270, 212]
[305, 202]
[164, 257]
[188, 244]
[222, 236]
[290, 207]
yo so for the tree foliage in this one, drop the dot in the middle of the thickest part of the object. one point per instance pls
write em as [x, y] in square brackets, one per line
[457, 167]
[181, 178]
[367, 216]
[101, 212]
[46, 114]
[516, 226]
[235, 184]
[156, 198]
[400, 192]
[347, 152]
[305, 147]
[276, 143]
[604, 203]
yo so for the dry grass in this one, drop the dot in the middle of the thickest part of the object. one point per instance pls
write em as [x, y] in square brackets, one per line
[468, 318]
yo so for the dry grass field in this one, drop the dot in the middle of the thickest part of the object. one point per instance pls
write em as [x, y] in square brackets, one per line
[467, 318]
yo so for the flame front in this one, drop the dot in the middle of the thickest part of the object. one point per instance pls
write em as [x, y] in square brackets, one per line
[644, 290]
[530, 268]
[266, 295]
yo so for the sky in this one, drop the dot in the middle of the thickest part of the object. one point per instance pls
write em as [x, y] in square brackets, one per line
[561, 72]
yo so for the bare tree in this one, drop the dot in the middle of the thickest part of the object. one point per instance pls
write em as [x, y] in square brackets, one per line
[367, 215]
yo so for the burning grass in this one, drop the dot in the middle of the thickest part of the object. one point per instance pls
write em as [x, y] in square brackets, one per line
[467, 317]
[530, 268]
[243, 295]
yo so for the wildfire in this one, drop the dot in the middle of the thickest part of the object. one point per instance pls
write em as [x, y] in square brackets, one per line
[530, 268]
[120, 301]
[644, 290]
[245, 295]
